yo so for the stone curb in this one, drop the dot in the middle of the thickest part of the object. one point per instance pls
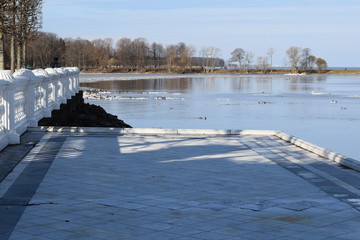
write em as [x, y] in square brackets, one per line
[149, 131]
[323, 152]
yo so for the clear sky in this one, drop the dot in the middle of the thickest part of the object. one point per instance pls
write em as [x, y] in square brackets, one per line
[330, 28]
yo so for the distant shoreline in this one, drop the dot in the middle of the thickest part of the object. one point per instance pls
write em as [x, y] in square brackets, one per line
[216, 71]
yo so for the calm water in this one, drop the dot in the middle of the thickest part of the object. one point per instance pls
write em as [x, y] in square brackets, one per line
[321, 109]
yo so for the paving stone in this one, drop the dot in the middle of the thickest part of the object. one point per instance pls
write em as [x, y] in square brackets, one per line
[111, 186]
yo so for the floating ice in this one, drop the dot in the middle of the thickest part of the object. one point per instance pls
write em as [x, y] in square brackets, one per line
[319, 93]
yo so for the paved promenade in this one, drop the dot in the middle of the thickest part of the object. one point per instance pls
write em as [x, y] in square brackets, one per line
[153, 187]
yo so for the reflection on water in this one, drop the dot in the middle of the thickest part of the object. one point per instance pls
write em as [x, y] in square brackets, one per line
[250, 83]
[322, 109]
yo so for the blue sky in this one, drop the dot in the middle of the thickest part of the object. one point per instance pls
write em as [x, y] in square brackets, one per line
[330, 28]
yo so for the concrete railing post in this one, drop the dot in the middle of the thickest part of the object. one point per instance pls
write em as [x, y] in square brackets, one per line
[9, 109]
[3, 137]
[30, 95]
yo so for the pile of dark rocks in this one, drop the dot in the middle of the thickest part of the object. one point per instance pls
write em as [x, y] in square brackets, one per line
[76, 113]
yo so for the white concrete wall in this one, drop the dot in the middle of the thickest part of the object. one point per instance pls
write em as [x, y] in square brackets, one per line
[28, 96]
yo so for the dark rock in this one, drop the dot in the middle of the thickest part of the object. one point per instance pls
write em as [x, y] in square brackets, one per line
[76, 113]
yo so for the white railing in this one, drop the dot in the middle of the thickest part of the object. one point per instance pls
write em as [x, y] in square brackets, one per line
[28, 96]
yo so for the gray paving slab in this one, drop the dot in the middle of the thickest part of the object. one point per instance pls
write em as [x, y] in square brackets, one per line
[114, 186]
[12, 155]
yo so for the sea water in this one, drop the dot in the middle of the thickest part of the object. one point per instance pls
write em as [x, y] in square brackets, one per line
[321, 109]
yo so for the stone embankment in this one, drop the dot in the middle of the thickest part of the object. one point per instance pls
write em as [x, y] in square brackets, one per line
[76, 113]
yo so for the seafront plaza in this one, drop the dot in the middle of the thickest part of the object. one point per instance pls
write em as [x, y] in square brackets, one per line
[181, 184]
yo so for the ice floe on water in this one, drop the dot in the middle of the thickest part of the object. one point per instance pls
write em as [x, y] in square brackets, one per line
[154, 93]
[97, 94]
[262, 94]
[319, 93]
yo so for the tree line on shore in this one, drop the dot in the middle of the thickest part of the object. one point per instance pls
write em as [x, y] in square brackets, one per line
[129, 55]
[300, 60]
[22, 45]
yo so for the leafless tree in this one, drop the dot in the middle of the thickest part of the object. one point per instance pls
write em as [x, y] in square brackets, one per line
[170, 56]
[210, 55]
[124, 52]
[263, 64]
[249, 58]
[20, 20]
[28, 21]
[321, 64]
[307, 61]
[270, 52]
[238, 55]
[80, 52]
[183, 56]
[191, 50]
[157, 53]
[42, 50]
[140, 47]
[103, 51]
[4, 6]
[11, 11]
[294, 55]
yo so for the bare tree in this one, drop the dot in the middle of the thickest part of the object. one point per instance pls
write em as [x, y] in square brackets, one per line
[294, 56]
[12, 32]
[103, 51]
[124, 52]
[321, 64]
[170, 57]
[20, 20]
[156, 52]
[2, 52]
[308, 61]
[28, 23]
[270, 52]
[249, 58]
[4, 5]
[191, 50]
[311, 62]
[263, 64]
[210, 55]
[80, 52]
[238, 55]
[140, 47]
[183, 55]
[43, 49]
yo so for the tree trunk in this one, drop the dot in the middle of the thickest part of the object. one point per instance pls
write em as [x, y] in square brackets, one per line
[2, 60]
[23, 57]
[12, 54]
[18, 56]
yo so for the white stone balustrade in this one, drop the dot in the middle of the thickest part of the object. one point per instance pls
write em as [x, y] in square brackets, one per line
[28, 96]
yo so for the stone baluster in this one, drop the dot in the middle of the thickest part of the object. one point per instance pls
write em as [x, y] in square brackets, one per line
[64, 83]
[46, 112]
[54, 88]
